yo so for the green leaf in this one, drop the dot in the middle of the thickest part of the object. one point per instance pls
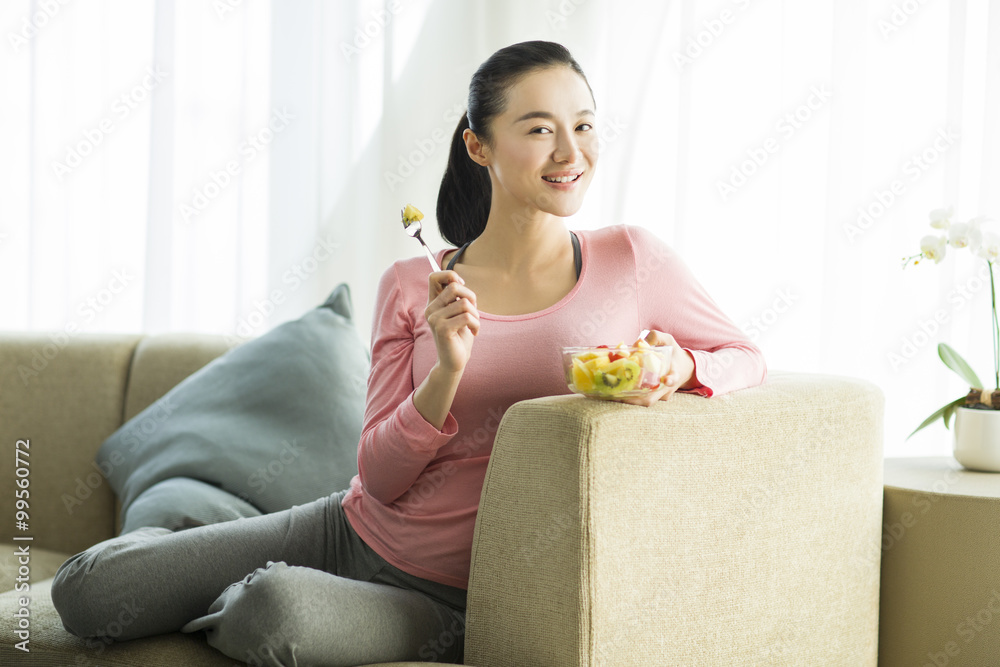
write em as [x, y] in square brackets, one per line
[955, 362]
[949, 410]
[946, 412]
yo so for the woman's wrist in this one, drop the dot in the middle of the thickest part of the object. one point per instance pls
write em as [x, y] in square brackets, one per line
[691, 381]
[434, 396]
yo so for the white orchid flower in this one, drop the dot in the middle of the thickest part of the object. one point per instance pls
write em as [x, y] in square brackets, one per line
[941, 217]
[965, 235]
[933, 247]
[990, 248]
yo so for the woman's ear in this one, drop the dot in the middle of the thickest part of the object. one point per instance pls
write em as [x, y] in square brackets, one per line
[477, 150]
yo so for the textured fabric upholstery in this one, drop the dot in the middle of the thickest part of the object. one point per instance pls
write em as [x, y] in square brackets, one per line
[66, 399]
[735, 530]
[162, 361]
[730, 530]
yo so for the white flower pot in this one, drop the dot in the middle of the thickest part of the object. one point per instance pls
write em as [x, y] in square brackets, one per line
[977, 439]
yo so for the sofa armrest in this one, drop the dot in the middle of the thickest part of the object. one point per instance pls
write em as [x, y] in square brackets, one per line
[740, 529]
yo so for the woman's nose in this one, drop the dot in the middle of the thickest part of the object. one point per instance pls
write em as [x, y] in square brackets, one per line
[567, 149]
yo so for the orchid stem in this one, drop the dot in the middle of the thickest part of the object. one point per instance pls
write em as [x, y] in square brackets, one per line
[996, 329]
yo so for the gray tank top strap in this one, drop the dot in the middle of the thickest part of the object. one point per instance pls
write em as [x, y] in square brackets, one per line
[577, 255]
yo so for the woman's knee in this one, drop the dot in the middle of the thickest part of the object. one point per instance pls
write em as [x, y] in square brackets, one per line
[257, 619]
[89, 592]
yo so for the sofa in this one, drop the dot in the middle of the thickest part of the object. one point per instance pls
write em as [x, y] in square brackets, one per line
[742, 529]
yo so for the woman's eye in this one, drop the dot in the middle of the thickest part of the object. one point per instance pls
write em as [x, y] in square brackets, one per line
[585, 127]
[541, 130]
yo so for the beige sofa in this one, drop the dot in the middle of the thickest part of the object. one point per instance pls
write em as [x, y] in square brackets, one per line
[738, 530]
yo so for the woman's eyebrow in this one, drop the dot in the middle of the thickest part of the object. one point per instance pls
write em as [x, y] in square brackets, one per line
[548, 116]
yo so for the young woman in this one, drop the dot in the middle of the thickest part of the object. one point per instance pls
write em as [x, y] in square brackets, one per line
[378, 572]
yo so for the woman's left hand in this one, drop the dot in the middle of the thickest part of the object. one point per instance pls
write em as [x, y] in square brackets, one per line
[681, 371]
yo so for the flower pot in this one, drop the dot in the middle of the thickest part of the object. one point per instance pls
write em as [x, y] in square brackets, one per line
[977, 439]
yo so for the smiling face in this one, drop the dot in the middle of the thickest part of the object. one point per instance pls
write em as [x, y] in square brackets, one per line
[543, 149]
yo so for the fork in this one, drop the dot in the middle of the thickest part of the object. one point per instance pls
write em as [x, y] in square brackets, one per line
[413, 228]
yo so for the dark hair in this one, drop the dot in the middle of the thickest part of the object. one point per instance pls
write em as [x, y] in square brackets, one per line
[463, 203]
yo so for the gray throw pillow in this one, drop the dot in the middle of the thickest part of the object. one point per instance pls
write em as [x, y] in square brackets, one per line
[275, 422]
[179, 502]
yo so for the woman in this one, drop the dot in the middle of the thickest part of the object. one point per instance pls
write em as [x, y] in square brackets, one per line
[379, 572]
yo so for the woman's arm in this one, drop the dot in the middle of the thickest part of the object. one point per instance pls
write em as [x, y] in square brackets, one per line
[672, 301]
[397, 441]
[405, 427]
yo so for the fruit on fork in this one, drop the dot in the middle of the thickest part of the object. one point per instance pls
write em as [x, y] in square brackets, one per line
[412, 216]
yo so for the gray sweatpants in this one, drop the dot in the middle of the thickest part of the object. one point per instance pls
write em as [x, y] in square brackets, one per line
[297, 587]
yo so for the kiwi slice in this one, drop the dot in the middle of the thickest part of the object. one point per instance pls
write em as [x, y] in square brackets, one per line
[606, 380]
[622, 375]
[629, 374]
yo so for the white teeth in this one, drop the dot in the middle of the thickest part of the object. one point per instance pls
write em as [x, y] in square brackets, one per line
[561, 179]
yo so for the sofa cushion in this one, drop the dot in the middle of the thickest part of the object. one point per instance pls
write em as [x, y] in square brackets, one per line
[62, 393]
[275, 421]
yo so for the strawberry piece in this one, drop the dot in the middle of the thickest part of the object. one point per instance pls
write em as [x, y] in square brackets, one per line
[614, 356]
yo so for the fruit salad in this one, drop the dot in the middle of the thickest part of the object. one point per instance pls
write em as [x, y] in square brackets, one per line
[623, 370]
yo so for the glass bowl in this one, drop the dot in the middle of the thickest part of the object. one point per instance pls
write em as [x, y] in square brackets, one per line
[613, 372]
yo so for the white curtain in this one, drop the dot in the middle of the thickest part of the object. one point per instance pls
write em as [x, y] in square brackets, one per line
[220, 165]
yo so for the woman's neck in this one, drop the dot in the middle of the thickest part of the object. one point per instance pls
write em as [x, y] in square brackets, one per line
[519, 244]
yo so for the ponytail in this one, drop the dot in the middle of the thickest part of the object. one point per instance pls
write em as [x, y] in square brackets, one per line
[463, 202]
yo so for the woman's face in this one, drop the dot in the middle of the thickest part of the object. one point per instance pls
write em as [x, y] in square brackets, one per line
[547, 132]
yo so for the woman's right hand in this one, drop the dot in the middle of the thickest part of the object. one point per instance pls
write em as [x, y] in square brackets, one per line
[453, 318]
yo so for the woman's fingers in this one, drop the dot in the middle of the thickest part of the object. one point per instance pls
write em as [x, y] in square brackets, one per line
[673, 379]
[453, 316]
[448, 297]
[454, 309]
[438, 280]
[448, 284]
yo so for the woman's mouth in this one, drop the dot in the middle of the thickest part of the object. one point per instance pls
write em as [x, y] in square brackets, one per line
[562, 182]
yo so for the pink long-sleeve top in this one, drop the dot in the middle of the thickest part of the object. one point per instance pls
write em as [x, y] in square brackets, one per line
[415, 497]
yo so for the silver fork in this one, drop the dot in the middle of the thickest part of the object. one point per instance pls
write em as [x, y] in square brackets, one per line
[413, 228]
